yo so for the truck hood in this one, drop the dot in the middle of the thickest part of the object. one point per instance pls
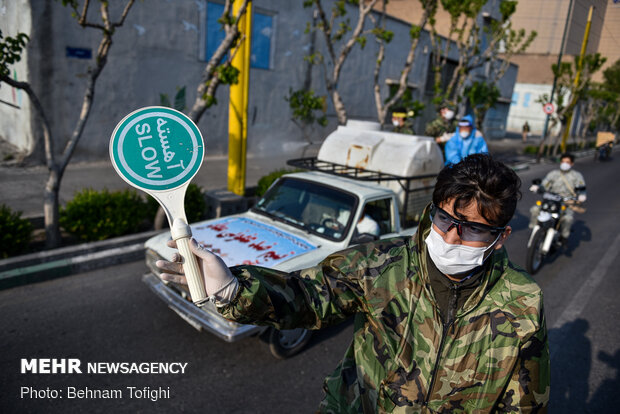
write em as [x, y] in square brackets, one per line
[241, 240]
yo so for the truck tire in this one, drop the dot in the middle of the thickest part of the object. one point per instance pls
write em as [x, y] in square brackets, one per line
[534, 252]
[287, 342]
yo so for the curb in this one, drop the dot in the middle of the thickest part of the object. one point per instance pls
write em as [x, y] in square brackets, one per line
[65, 261]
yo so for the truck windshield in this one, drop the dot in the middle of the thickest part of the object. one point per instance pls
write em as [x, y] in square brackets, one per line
[320, 209]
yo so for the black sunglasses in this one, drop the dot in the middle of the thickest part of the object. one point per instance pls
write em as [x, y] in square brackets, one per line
[467, 230]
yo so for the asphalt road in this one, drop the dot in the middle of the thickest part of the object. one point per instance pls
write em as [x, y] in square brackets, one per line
[109, 315]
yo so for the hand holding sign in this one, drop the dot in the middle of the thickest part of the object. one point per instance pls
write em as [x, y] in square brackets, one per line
[159, 150]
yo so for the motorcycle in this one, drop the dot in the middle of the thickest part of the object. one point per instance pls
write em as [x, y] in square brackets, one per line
[545, 236]
[603, 152]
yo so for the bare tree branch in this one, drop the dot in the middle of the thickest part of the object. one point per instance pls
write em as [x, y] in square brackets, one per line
[47, 135]
[210, 80]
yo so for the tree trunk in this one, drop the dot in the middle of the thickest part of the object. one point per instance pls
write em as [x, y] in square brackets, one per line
[558, 140]
[51, 209]
[339, 107]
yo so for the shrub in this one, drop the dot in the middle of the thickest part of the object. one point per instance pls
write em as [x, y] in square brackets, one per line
[15, 233]
[533, 149]
[99, 215]
[265, 182]
[195, 205]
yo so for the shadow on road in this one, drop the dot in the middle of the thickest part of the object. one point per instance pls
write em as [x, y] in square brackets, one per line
[607, 396]
[580, 233]
[570, 367]
[519, 221]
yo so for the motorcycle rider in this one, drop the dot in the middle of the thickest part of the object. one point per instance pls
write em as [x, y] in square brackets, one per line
[566, 182]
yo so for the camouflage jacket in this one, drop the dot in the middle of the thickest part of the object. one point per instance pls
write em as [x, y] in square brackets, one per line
[440, 126]
[493, 358]
[556, 184]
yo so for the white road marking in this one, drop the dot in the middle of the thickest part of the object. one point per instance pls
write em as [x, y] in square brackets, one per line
[582, 297]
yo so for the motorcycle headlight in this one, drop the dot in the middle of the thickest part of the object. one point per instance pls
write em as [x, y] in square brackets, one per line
[545, 206]
[554, 207]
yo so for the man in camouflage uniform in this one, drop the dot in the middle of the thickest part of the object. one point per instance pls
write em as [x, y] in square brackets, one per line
[566, 182]
[402, 121]
[434, 331]
[442, 127]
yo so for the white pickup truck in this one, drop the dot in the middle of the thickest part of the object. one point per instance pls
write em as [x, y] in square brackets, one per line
[303, 217]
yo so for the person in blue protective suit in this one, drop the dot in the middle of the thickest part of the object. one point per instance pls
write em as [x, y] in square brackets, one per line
[465, 141]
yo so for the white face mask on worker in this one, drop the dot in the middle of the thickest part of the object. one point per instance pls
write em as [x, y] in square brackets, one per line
[464, 134]
[565, 166]
[448, 114]
[395, 122]
[454, 259]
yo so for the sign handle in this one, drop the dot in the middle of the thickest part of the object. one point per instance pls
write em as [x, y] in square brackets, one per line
[182, 233]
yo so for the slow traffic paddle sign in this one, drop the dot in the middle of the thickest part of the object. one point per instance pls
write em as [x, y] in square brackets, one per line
[159, 150]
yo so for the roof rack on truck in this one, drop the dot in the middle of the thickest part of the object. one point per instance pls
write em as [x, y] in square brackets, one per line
[360, 150]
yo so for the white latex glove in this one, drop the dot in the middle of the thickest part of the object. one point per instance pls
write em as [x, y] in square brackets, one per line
[581, 198]
[534, 188]
[220, 284]
[445, 137]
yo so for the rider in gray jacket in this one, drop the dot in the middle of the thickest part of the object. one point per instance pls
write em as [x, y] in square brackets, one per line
[566, 182]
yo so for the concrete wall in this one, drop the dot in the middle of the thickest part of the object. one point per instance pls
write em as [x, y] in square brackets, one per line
[495, 122]
[161, 47]
[15, 111]
[525, 108]
[610, 36]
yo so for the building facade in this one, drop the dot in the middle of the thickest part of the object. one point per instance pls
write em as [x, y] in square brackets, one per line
[163, 46]
[550, 18]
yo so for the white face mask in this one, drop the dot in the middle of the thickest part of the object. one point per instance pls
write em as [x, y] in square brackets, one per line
[453, 259]
[448, 114]
[565, 166]
[395, 122]
[464, 134]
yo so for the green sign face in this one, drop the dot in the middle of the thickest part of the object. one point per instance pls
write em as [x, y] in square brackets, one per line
[156, 148]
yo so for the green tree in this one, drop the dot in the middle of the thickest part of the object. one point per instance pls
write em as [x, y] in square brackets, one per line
[340, 39]
[610, 115]
[479, 40]
[401, 95]
[219, 69]
[11, 49]
[570, 93]
[482, 96]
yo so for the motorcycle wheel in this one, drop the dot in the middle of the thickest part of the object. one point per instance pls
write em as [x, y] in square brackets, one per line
[534, 252]
[288, 342]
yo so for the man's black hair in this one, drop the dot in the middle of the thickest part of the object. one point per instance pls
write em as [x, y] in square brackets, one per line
[480, 178]
[568, 155]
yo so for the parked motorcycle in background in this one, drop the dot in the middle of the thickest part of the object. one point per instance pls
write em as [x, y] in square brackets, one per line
[545, 236]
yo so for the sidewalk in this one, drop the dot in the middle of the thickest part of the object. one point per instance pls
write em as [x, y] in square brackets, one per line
[22, 190]
[22, 187]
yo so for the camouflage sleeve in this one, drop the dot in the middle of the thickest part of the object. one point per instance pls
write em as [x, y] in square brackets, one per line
[311, 298]
[435, 128]
[528, 389]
